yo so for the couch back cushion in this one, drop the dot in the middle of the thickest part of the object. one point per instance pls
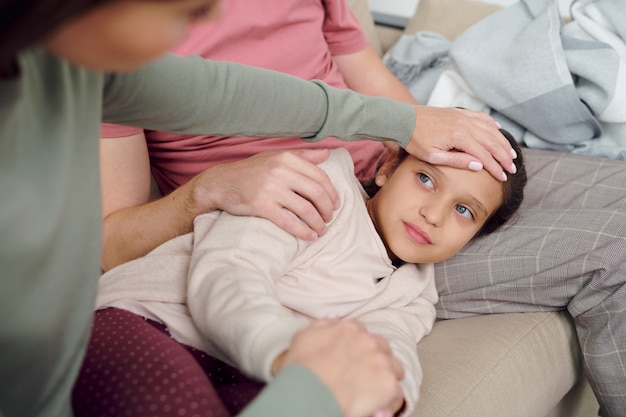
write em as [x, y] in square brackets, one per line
[448, 17]
[361, 10]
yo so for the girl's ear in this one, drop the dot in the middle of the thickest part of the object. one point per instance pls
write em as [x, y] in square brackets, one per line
[381, 177]
[387, 169]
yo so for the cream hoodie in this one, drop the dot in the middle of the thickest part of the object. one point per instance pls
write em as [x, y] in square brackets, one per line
[239, 287]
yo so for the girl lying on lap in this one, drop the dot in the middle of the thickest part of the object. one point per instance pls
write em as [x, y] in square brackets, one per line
[239, 288]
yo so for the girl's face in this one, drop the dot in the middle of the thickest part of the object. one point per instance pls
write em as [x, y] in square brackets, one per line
[426, 213]
[122, 35]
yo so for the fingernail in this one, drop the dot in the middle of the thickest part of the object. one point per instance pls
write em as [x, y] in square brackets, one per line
[475, 166]
[337, 204]
[504, 177]
[513, 153]
[499, 125]
[513, 169]
[314, 236]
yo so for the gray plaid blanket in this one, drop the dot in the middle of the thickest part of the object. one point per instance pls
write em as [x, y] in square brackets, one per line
[554, 84]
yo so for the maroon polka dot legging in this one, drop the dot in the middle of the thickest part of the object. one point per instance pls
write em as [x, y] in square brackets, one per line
[134, 368]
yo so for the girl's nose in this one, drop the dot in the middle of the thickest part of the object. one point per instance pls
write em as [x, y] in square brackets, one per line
[432, 213]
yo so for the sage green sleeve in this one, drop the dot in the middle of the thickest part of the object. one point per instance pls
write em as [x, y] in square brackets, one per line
[197, 96]
[296, 392]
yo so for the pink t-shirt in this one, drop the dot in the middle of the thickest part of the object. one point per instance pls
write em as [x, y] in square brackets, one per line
[296, 37]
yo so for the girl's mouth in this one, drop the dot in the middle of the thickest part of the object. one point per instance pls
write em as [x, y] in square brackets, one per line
[416, 234]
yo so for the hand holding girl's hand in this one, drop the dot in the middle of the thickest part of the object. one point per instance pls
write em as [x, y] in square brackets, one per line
[462, 139]
[358, 367]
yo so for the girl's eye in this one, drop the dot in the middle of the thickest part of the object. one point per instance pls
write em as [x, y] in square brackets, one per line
[464, 211]
[425, 179]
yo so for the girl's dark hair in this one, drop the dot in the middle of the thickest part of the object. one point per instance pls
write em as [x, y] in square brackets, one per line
[512, 189]
[26, 22]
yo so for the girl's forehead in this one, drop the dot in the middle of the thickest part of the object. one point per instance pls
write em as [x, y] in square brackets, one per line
[465, 185]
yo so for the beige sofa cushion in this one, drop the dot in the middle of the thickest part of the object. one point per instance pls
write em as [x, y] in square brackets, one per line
[448, 17]
[513, 365]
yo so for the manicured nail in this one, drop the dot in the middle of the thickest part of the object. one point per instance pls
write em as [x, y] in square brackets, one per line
[513, 169]
[475, 166]
[499, 125]
[504, 177]
[314, 236]
[513, 153]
